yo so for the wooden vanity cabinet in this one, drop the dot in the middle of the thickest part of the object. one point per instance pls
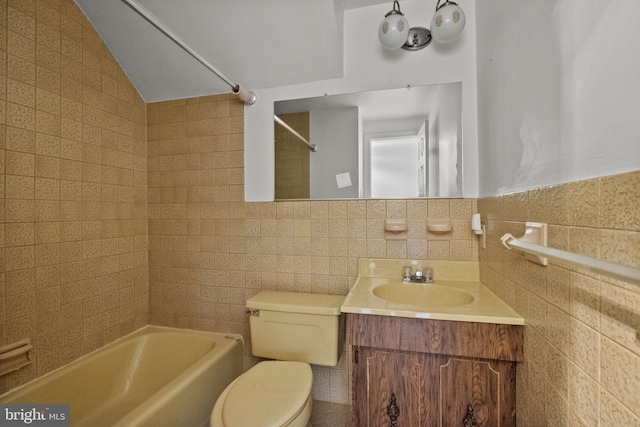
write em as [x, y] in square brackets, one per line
[421, 372]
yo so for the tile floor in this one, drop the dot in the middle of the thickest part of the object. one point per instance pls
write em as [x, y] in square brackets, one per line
[326, 414]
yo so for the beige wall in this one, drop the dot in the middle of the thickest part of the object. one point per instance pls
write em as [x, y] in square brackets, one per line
[74, 273]
[73, 240]
[209, 250]
[582, 354]
[75, 237]
[292, 158]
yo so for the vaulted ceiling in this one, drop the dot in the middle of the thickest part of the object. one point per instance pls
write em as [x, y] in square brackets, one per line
[257, 43]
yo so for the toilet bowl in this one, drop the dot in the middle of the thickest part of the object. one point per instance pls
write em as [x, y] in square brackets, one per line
[293, 330]
[271, 394]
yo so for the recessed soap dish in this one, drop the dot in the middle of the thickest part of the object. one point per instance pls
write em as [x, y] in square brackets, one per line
[439, 226]
[15, 355]
[396, 225]
[396, 229]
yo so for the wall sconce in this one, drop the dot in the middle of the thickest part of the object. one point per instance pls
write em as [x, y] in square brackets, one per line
[446, 26]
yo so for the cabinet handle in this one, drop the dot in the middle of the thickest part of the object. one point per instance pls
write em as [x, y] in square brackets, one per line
[469, 419]
[356, 353]
[393, 411]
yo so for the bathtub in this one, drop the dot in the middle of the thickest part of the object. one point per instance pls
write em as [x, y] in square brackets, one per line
[154, 377]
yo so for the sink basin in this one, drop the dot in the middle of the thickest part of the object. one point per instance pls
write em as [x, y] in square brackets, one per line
[456, 295]
[422, 295]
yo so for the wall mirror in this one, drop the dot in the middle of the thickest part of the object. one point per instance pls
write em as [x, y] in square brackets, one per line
[396, 143]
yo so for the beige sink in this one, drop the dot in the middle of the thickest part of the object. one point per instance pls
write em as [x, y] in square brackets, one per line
[423, 295]
[457, 293]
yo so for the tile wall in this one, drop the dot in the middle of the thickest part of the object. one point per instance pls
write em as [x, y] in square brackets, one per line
[93, 245]
[209, 250]
[582, 352]
[75, 272]
[73, 234]
[292, 158]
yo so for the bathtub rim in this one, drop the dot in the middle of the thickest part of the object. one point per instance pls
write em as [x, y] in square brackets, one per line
[143, 330]
[145, 411]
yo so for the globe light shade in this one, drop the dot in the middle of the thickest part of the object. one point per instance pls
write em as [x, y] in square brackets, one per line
[394, 30]
[448, 22]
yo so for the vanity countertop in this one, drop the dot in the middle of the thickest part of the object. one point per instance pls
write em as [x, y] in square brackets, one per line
[484, 306]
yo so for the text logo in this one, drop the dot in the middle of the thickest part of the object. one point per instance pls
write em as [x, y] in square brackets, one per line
[34, 415]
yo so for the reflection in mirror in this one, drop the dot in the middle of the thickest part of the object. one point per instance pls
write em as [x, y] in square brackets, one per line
[398, 143]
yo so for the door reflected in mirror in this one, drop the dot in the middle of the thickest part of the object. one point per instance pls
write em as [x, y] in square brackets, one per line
[397, 143]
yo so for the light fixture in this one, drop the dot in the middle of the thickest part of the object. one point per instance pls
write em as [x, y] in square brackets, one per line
[394, 29]
[447, 24]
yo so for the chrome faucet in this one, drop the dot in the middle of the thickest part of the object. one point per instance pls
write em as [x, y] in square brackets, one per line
[421, 276]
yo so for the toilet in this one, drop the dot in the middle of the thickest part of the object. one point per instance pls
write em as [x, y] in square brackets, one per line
[295, 330]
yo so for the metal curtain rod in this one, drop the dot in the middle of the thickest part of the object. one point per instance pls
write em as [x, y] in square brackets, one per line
[249, 97]
[312, 147]
[534, 231]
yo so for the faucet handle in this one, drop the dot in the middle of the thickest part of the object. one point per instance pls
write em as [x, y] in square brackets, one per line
[406, 273]
[427, 273]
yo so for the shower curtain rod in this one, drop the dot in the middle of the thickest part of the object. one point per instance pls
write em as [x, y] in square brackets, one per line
[247, 96]
[312, 147]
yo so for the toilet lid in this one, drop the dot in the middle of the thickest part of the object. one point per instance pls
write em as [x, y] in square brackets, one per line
[269, 394]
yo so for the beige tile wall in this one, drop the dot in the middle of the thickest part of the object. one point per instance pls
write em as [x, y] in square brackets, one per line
[209, 250]
[582, 352]
[73, 243]
[73, 235]
[292, 158]
[80, 263]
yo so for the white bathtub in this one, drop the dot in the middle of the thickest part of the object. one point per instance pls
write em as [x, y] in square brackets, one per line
[153, 377]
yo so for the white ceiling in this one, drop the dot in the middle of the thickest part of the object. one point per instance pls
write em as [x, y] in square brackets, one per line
[256, 43]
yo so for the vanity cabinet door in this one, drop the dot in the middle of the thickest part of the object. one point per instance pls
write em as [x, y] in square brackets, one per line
[407, 389]
[388, 388]
[433, 373]
[466, 392]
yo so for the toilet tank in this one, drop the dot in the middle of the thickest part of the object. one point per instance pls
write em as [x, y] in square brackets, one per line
[296, 326]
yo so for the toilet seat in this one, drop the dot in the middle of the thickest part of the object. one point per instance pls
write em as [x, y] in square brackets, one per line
[269, 394]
